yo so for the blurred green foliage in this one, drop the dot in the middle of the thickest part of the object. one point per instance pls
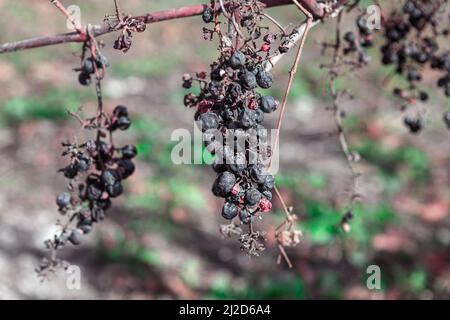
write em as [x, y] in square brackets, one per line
[51, 105]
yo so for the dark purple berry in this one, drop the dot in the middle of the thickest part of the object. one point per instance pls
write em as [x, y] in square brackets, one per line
[120, 111]
[248, 80]
[88, 66]
[115, 190]
[258, 173]
[83, 164]
[63, 200]
[208, 121]
[247, 118]
[126, 168]
[208, 15]
[268, 104]
[252, 196]
[245, 216]
[269, 183]
[414, 124]
[101, 61]
[268, 195]
[85, 226]
[110, 177]
[84, 79]
[229, 210]
[94, 191]
[350, 37]
[423, 96]
[237, 60]
[224, 184]
[70, 171]
[264, 79]
[129, 151]
[123, 123]
[75, 237]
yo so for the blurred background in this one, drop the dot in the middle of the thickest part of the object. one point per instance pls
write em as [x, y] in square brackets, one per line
[162, 239]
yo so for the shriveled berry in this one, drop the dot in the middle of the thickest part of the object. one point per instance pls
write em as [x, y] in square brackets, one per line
[269, 38]
[265, 205]
[414, 124]
[258, 173]
[83, 164]
[284, 47]
[234, 90]
[104, 204]
[252, 196]
[269, 182]
[85, 226]
[123, 123]
[115, 190]
[350, 37]
[237, 164]
[84, 79]
[129, 151]
[245, 217]
[63, 200]
[224, 184]
[97, 214]
[413, 75]
[75, 237]
[88, 66]
[208, 121]
[208, 15]
[187, 81]
[264, 79]
[101, 61]
[248, 80]
[237, 60]
[94, 191]
[126, 168]
[229, 210]
[120, 111]
[110, 177]
[268, 195]
[247, 118]
[423, 96]
[268, 104]
[70, 171]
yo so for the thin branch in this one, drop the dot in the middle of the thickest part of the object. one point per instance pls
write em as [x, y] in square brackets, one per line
[68, 16]
[292, 73]
[153, 17]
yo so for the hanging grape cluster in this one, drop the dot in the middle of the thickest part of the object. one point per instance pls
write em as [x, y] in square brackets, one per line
[230, 111]
[414, 42]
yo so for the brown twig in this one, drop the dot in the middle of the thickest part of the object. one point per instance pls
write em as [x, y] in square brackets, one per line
[292, 73]
[69, 17]
[153, 17]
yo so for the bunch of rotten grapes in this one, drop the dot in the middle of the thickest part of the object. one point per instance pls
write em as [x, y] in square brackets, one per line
[230, 112]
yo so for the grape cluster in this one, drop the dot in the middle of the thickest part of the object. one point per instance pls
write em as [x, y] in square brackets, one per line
[89, 67]
[357, 44]
[230, 113]
[412, 45]
[96, 172]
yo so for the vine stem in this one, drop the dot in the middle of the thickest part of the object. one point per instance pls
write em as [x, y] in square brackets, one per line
[292, 73]
[148, 18]
[69, 17]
